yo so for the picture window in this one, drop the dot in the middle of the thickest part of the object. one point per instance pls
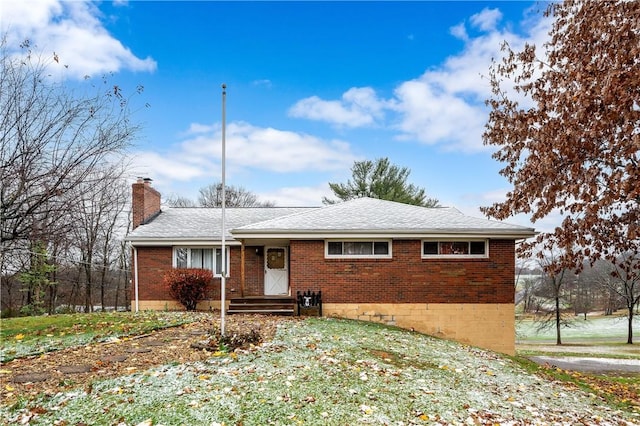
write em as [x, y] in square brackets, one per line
[201, 258]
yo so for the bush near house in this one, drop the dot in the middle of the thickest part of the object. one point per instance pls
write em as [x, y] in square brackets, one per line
[188, 285]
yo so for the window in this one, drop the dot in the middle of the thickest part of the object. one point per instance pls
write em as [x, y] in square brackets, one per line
[455, 248]
[358, 249]
[202, 258]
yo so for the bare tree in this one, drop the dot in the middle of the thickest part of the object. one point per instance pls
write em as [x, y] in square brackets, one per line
[180, 201]
[624, 286]
[115, 226]
[526, 294]
[556, 277]
[51, 140]
[100, 218]
[574, 147]
[211, 196]
[235, 196]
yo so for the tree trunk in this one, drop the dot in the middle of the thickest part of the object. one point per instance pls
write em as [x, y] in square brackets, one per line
[88, 303]
[558, 339]
[115, 302]
[630, 330]
[102, 286]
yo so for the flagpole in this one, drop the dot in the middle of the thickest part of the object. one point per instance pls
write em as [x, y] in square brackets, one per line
[223, 267]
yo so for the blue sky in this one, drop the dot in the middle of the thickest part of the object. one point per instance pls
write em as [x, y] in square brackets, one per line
[311, 87]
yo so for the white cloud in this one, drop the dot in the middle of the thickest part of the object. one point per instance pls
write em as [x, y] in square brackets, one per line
[459, 31]
[431, 115]
[270, 149]
[443, 106]
[247, 148]
[487, 19]
[298, 196]
[470, 204]
[168, 167]
[358, 107]
[446, 104]
[71, 29]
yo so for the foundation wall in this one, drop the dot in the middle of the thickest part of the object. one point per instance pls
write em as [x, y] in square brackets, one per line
[489, 326]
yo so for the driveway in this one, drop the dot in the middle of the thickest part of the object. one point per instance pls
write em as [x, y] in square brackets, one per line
[590, 364]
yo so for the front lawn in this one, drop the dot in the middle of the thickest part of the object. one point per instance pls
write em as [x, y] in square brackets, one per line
[25, 336]
[329, 372]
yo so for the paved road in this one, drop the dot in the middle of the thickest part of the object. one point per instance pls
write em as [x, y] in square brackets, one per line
[584, 364]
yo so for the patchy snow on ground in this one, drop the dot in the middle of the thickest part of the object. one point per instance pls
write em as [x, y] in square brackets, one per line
[606, 328]
[330, 372]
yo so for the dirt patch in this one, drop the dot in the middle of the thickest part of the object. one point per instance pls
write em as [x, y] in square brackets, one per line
[78, 367]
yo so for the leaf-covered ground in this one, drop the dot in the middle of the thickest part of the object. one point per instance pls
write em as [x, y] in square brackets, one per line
[23, 336]
[327, 372]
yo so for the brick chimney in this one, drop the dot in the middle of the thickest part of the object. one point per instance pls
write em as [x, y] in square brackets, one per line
[145, 203]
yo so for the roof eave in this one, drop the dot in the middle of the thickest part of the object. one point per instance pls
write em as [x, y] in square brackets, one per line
[405, 234]
[159, 241]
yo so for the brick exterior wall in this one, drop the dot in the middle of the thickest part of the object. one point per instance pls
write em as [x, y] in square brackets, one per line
[407, 278]
[153, 262]
[145, 202]
[469, 300]
[254, 271]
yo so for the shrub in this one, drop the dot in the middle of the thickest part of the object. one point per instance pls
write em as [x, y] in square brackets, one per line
[188, 285]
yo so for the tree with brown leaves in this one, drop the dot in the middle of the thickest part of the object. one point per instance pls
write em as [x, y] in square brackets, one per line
[570, 135]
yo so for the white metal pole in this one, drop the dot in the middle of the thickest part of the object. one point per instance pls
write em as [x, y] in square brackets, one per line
[223, 257]
[135, 277]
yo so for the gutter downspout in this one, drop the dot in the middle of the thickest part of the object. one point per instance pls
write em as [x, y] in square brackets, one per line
[135, 276]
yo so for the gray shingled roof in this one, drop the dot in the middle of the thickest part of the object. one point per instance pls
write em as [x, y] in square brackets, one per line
[204, 224]
[360, 216]
[373, 215]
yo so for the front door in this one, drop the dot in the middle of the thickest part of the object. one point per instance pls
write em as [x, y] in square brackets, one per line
[276, 275]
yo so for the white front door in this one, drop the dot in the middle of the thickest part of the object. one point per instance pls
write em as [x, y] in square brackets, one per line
[276, 274]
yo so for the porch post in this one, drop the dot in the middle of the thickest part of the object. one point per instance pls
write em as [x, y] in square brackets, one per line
[242, 272]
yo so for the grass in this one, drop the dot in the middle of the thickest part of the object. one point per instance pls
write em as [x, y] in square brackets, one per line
[600, 328]
[599, 336]
[331, 372]
[26, 336]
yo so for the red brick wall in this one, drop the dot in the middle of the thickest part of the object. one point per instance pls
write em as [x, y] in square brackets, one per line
[254, 271]
[145, 202]
[407, 278]
[153, 262]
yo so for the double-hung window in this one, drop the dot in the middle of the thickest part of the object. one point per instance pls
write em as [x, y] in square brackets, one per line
[201, 258]
[358, 249]
[455, 248]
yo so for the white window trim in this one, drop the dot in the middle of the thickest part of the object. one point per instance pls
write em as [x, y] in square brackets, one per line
[455, 256]
[358, 256]
[214, 248]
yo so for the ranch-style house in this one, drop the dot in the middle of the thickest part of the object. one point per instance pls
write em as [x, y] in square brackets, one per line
[434, 270]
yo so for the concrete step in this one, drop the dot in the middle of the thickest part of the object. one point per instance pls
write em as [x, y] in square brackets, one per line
[261, 311]
[278, 305]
